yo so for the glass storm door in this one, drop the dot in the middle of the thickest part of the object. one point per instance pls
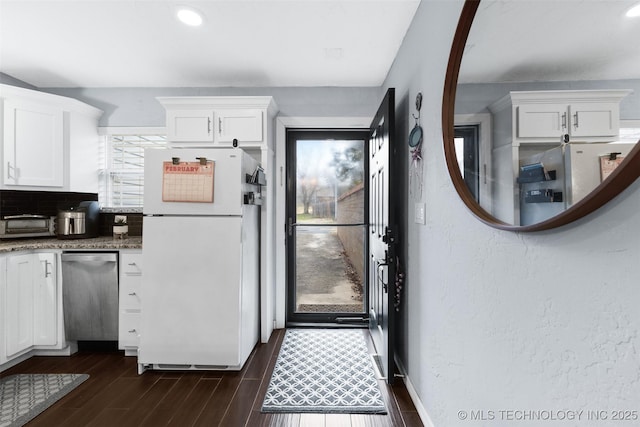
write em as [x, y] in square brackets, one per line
[327, 200]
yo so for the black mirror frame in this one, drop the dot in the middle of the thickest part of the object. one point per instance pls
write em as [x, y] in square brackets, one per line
[620, 179]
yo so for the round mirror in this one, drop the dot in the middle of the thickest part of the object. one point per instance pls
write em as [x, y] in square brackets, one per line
[541, 109]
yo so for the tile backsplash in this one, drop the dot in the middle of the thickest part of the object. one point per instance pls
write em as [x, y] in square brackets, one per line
[134, 221]
[16, 202]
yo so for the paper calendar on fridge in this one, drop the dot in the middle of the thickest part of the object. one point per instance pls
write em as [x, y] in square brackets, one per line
[188, 182]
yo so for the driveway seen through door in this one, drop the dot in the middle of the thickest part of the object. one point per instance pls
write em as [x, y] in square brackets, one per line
[327, 280]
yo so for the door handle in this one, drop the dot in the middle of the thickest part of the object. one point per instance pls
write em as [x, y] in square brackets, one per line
[290, 226]
[47, 272]
[16, 171]
[382, 264]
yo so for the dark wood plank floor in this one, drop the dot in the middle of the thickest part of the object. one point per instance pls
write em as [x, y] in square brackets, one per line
[115, 395]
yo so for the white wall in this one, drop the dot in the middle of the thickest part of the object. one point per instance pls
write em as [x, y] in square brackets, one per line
[498, 320]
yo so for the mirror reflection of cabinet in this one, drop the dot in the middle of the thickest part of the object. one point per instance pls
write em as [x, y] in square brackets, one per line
[502, 46]
[528, 126]
[546, 116]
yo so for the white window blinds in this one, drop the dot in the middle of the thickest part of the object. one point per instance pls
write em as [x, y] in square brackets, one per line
[123, 183]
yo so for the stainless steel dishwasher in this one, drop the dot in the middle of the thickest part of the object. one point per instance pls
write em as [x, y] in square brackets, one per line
[90, 295]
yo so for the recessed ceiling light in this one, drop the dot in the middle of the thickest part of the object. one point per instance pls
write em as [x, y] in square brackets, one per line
[634, 11]
[189, 17]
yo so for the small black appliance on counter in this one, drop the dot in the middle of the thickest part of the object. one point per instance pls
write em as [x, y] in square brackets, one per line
[78, 221]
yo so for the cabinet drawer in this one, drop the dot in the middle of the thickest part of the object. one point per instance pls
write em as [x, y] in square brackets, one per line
[131, 264]
[129, 329]
[130, 295]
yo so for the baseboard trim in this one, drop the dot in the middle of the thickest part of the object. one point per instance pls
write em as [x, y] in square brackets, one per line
[422, 412]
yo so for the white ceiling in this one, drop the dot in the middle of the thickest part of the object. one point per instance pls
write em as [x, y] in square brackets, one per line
[543, 40]
[140, 43]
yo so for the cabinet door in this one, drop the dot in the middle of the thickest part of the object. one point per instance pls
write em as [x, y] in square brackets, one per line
[33, 145]
[44, 301]
[245, 125]
[542, 121]
[19, 304]
[594, 120]
[190, 125]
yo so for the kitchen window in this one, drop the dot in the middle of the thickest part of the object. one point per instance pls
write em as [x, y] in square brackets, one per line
[629, 131]
[122, 177]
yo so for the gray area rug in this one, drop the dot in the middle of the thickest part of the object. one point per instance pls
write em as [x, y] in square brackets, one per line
[24, 396]
[324, 371]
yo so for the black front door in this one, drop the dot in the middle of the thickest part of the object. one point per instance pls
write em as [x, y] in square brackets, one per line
[382, 234]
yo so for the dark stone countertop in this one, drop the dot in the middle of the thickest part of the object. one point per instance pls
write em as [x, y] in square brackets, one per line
[98, 243]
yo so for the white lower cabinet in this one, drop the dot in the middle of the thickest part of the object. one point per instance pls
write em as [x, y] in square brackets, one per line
[30, 303]
[45, 313]
[129, 317]
[19, 305]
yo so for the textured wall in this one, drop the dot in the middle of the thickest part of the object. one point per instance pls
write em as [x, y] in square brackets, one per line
[498, 320]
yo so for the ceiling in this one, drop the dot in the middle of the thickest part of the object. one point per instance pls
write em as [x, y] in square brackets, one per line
[140, 43]
[271, 43]
[544, 40]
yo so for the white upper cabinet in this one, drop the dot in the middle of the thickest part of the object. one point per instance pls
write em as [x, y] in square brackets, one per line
[189, 125]
[33, 144]
[219, 120]
[591, 120]
[49, 142]
[553, 117]
[244, 125]
[597, 119]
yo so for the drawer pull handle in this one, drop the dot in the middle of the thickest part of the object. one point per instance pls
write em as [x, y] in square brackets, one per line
[132, 264]
[132, 294]
[132, 331]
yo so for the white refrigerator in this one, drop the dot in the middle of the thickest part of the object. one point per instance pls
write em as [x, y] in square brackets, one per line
[577, 168]
[200, 287]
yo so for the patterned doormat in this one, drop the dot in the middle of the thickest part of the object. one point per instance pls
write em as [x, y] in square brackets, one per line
[324, 371]
[24, 396]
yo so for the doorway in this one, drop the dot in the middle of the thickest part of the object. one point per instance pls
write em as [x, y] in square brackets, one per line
[326, 230]
[466, 139]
